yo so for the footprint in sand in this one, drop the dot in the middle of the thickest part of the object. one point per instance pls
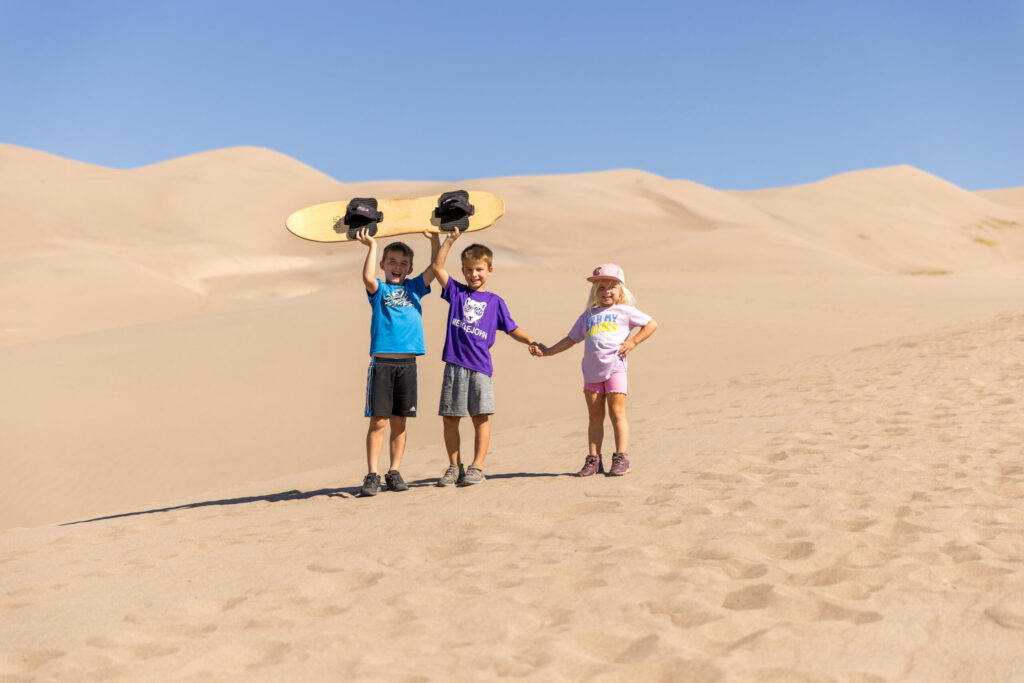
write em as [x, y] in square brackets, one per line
[1007, 618]
[788, 551]
[759, 596]
[218, 606]
[830, 612]
[352, 580]
[27, 661]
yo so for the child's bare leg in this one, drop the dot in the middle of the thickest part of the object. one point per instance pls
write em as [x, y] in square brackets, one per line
[452, 442]
[595, 429]
[397, 441]
[620, 426]
[482, 432]
[374, 442]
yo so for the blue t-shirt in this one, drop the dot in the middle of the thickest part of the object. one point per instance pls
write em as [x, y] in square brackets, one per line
[396, 320]
[474, 319]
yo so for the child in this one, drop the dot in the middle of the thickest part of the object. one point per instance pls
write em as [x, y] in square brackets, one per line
[474, 317]
[605, 325]
[396, 338]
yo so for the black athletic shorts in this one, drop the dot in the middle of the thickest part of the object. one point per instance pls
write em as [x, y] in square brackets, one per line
[391, 387]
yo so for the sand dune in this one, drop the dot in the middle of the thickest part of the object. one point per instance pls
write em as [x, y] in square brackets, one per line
[1011, 196]
[826, 436]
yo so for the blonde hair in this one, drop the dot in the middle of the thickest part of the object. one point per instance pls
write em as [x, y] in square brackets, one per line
[626, 297]
[478, 252]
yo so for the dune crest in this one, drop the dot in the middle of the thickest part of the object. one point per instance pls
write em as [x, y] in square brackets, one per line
[203, 232]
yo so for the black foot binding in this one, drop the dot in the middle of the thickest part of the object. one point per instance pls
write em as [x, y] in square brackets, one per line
[361, 213]
[454, 210]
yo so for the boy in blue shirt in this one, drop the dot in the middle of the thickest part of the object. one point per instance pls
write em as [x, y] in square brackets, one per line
[396, 338]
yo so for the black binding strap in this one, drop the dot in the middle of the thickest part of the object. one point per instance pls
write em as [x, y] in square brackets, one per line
[360, 213]
[454, 210]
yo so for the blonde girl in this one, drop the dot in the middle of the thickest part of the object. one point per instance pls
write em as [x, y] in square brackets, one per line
[611, 314]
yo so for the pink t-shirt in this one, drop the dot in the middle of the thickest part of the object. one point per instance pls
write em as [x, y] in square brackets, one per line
[603, 330]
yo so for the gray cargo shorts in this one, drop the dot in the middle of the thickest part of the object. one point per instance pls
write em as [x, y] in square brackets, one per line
[465, 392]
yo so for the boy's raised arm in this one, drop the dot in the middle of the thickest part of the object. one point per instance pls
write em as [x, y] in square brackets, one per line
[370, 265]
[520, 336]
[428, 272]
[437, 262]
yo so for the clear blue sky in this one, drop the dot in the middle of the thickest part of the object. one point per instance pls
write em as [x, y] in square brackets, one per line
[732, 94]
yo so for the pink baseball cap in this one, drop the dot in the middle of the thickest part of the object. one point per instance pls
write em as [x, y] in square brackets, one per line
[608, 271]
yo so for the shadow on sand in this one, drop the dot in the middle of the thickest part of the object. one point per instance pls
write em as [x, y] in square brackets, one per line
[348, 492]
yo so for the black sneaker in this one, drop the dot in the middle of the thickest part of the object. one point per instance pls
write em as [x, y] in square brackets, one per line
[395, 482]
[371, 485]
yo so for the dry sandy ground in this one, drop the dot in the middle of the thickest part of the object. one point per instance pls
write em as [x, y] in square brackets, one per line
[827, 429]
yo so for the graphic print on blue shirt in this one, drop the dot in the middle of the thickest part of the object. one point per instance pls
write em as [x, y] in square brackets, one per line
[396, 322]
[397, 298]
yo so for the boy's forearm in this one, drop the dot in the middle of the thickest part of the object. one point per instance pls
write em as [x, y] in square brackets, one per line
[370, 266]
[439, 253]
[521, 336]
[438, 257]
[430, 273]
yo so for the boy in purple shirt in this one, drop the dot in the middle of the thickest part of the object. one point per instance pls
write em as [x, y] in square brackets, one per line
[474, 318]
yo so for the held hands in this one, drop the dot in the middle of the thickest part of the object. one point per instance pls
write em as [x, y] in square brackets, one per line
[538, 349]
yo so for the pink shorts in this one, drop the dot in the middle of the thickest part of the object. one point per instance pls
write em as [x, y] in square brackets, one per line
[616, 384]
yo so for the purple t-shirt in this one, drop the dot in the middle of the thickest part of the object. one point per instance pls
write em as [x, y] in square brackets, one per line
[604, 330]
[474, 319]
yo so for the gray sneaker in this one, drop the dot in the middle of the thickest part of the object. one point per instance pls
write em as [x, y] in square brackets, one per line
[371, 485]
[474, 475]
[395, 482]
[452, 476]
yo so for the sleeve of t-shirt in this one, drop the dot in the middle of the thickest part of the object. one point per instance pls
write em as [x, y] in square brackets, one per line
[371, 297]
[638, 318]
[578, 332]
[418, 286]
[449, 288]
[505, 321]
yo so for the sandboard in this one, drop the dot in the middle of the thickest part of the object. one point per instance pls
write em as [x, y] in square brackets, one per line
[338, 221]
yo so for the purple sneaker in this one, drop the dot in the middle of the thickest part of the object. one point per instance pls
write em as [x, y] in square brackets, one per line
[592, 465]
[620, 465]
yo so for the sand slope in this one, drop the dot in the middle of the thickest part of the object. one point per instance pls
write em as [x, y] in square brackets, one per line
[826, 436]
[857, 517]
